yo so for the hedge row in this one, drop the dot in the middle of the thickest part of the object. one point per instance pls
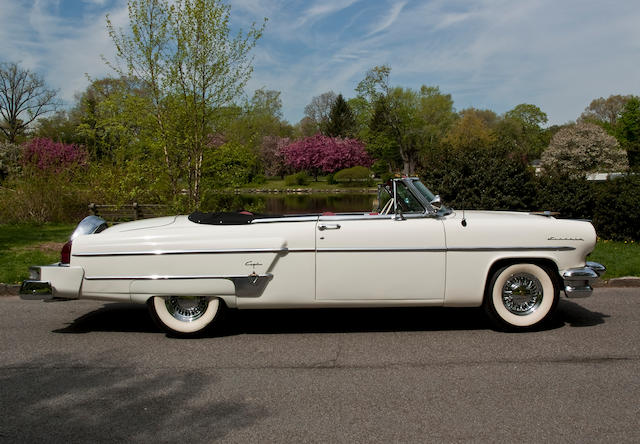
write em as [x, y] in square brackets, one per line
[482, 181]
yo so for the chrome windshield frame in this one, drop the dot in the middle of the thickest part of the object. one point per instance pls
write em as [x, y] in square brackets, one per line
[408, 182]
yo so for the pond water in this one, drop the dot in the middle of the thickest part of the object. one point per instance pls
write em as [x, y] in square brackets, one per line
[289, 203]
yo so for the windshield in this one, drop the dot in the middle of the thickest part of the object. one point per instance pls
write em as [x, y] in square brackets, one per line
[423, 190]
[407, 202]
[441, 209]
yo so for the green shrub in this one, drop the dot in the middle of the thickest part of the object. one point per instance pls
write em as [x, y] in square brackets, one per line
[616, 214]
[354, 176]
[300, 178]
[572, 197]
[481, 179]
[40, 198]
[230, 165]
[135, 180]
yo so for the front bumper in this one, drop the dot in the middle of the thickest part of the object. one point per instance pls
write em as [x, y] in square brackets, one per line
[577, 281]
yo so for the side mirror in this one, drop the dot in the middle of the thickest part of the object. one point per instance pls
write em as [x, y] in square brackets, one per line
[436, 201]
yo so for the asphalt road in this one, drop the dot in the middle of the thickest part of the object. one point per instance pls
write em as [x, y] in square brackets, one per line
[88, 372]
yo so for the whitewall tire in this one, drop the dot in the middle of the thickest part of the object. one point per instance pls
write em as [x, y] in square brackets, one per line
[184, 315]
[520, 296]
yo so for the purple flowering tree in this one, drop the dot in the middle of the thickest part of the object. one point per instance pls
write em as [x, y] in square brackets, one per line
[325, 154]
[53, 157]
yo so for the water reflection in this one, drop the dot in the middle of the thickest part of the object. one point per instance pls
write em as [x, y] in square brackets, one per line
[289, 203]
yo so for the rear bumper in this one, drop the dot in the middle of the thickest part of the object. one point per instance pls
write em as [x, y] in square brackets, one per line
[34, 290]
[578, 281]
[52, 281]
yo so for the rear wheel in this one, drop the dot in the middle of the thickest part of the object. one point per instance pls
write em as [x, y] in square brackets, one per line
[184, 315]
[520, 296]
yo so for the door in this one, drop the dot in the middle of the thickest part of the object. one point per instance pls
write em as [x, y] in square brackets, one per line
[379, 257]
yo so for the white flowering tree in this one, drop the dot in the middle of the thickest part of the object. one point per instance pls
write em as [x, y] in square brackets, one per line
[584, 148]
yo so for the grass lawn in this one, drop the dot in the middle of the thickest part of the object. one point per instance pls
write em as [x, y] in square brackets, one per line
[25, 245]
[620, 258]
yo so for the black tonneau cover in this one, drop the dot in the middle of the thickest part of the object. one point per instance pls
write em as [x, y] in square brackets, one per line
[236, 218]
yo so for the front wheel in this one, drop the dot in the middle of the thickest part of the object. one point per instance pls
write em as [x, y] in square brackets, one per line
[184, 315]
[520, 296]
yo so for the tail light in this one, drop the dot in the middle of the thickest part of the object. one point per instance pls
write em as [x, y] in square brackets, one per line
[65, 255]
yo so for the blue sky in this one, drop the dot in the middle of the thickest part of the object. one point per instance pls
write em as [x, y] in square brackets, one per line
[557, 54]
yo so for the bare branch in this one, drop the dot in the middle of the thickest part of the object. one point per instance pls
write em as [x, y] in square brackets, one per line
[24, 97]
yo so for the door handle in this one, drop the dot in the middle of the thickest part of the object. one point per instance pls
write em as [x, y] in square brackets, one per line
[323, 227]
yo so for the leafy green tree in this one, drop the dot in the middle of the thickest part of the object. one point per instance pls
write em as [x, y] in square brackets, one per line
[113, 119]
[409, 122]
[605, 112]
[341, 121]
[628, 131]
[521, 131]
[10, 156]
[469, 132]
[231, 165]
[60, 126]
[259, 118]
[183, 53]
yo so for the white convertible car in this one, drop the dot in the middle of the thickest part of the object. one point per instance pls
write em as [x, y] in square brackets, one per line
[412, 251]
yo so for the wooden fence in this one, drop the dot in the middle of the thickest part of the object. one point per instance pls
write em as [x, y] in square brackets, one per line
[123, 213]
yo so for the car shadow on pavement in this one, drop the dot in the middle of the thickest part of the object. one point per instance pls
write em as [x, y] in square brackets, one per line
[575, 315]
[50, 400]
[118, 317]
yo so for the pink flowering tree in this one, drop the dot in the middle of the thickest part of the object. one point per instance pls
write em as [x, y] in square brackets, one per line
[325, 154]
[53, 157]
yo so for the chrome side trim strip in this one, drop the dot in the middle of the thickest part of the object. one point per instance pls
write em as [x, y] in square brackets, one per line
[441, 250]
[457, 249]
[174, 252]
[285, 250]
[380, 250]
[155, 277]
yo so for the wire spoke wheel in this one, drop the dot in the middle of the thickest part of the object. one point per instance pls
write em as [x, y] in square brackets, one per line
[520, 296]
[184, 315]
[186, 308]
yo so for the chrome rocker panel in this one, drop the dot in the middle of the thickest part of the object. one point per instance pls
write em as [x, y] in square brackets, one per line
[578, 281]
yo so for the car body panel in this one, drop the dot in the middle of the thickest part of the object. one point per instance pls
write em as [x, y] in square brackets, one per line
[434, 257]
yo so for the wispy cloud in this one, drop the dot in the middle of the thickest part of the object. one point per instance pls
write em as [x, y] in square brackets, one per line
[488, 53]
[64, 49]
[390, 18]
[323, 8]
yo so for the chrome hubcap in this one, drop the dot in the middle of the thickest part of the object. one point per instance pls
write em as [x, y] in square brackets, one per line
[186, 308]
[522, 294]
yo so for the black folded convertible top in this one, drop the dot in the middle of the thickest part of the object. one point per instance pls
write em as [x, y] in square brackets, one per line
[237, 218]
